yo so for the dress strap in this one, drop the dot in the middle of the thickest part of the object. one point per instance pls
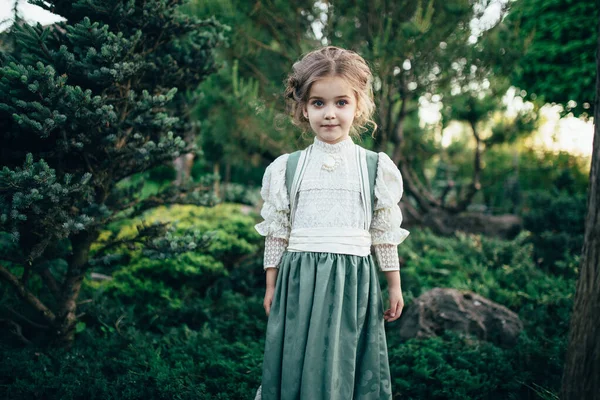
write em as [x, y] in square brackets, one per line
[372, 162]
[290, 169]
[295, 183]
[365, 192]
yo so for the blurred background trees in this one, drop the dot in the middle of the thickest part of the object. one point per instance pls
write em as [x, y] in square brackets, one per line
[422, 53]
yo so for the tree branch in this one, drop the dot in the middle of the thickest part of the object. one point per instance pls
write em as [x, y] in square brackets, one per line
[475, 184]
[50, 282]
[424, 198]
[16, 330]
[78, 264]
[26, 295]
[168, 197]
[25, 319]
[110, 245]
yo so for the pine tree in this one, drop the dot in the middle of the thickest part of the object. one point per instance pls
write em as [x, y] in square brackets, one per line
[85, 104]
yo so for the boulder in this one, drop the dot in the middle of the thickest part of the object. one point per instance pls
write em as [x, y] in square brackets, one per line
[462, 311]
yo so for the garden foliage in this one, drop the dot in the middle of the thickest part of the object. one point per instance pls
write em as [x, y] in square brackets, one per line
[193, 327]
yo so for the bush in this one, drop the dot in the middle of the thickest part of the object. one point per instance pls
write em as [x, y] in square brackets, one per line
[175, 363]
[451, 367]
[165, 284]
[193, 327]
[512, 178]
[557, 221]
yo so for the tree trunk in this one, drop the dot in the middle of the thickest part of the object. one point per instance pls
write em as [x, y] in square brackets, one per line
[66, 317]
[183, 167]
[217, 183]
[475, 185]
[227, 179]
[581, 374]
[28, 297]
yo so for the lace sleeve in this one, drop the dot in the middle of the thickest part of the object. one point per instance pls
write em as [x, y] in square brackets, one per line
[386, 233]
[274, 248]
[275, 212]
[387, 257]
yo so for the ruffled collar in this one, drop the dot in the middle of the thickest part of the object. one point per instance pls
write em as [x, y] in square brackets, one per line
[333, 148]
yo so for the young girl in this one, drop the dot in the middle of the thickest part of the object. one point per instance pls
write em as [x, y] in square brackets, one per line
[323, 209]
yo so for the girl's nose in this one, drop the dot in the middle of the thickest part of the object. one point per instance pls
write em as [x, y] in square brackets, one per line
[329, 113]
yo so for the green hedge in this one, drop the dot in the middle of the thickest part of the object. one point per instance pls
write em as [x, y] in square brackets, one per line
[193, 327]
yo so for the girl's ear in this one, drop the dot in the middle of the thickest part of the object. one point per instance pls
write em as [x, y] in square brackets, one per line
[305, 111]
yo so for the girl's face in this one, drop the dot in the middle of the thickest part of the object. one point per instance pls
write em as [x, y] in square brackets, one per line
[331, 109]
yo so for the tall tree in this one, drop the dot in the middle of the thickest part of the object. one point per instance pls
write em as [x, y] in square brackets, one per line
[559, 38]
[582, 363]
[85, 104]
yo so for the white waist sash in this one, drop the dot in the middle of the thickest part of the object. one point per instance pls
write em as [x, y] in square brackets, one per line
[353, 241]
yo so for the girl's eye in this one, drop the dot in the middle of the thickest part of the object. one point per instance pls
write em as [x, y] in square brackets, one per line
[317, 103]
[342, 102]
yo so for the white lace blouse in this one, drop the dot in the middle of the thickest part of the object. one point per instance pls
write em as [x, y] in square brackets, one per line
[329, 197]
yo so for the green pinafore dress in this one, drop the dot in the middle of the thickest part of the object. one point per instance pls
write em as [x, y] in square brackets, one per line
[325, 335]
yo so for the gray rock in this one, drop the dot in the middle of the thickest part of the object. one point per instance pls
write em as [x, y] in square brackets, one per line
[461, 311]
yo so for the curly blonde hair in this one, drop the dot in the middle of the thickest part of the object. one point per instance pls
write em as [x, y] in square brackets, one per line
[325, 62]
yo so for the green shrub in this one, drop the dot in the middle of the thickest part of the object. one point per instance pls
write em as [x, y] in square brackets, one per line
[193, 327]
[452, 367]
[160, 285]
[557, 221]
[513, 175]
[176, 362]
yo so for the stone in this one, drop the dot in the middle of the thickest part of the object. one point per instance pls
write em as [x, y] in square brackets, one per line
[461, 311]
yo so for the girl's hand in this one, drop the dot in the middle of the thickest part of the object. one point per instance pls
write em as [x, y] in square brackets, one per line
[396, 305]
[268, 299]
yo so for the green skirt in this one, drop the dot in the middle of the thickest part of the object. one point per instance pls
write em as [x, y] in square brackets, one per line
[325, 334]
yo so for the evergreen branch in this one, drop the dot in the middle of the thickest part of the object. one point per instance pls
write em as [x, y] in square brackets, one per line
[168, 198]
[16, 330]
[125, 111]
[172, 244]
[87, 163]
[200, 196]
[26, 295]
[138, 158]
[159, 240]
[25, 319]
[129, 242]
[44, 48]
